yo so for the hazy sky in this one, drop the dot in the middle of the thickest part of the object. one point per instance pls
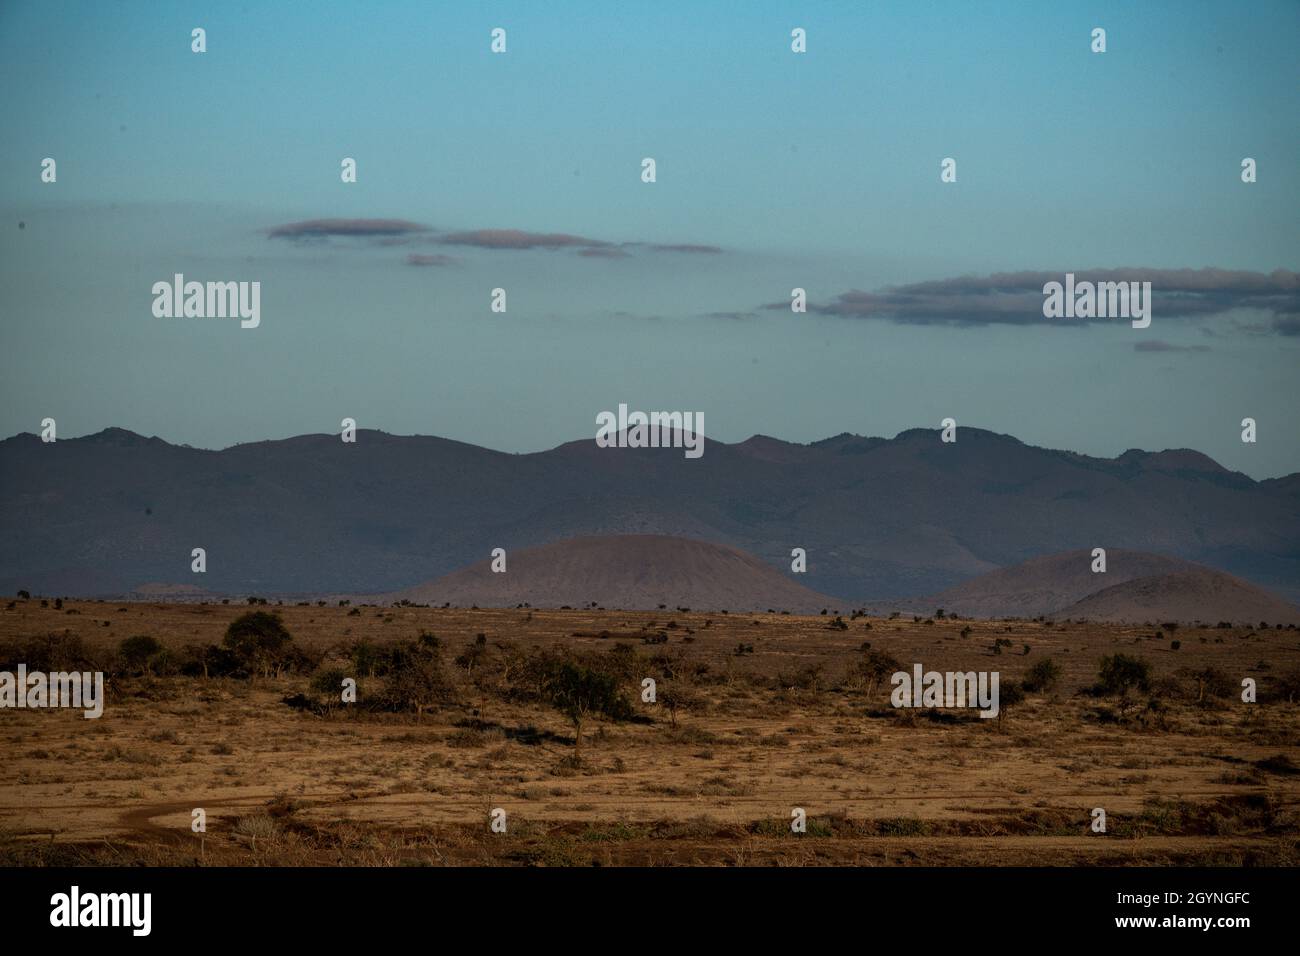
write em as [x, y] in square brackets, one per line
[774, 170]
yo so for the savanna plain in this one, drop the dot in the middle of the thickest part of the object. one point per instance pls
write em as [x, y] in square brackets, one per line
[237, 709]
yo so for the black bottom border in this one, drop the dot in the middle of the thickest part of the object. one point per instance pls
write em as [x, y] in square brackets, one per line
[974, 905]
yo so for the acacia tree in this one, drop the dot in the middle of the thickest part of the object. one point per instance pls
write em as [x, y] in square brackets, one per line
[873, 668]
[260, 641]
[580, 692]
[416, 679]
[1118, 673]
[676, 700]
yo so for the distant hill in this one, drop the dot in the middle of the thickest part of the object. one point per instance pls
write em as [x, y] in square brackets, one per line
[624, 571]
[879, 518]
[159, 591]
[1202, 594]
[1136, 586]
[1045, 584]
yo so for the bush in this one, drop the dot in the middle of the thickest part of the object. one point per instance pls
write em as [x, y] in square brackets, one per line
[136, 651]
[415, 678]
[1010, 694]
[206, 660]
[1212, 682]
[1042, 677]
[804, 678]
[678, 699]
[368, 659]
[872, 668]
[624, 665]
[260, 642]
[53, 652]
[1119, 672]
[328, 682]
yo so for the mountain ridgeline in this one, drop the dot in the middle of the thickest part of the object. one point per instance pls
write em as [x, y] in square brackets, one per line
[878, 518]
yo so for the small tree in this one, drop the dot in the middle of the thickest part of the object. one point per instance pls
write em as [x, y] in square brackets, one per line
[579, 692]
[1212, 682]
[675, 700]
[415, 679]
[1042, 677]
[1119, 673]
[260, 641]
[1009, 695]
[873, 668]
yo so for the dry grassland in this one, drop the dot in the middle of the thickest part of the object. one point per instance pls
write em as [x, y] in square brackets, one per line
[1183, 781]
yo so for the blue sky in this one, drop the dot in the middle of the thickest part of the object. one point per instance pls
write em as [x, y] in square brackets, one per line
[818, 170]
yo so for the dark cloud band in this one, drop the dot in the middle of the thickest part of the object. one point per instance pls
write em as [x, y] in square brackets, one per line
[1016, 298]
[363, 228]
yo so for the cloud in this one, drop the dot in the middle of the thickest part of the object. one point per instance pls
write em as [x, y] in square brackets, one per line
[682, 247]
[1160, 345]
[515, 239]
[584, 246]
[385, 230]
[1016, 298]
[401, 232]
[421, 259]
[518, 239]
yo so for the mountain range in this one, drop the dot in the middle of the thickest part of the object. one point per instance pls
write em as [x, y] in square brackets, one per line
[878, 518]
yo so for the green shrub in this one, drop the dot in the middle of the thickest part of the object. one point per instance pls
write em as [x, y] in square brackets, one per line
[260, 642]
[1119, 673]
[579, 692]
[415, 680]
